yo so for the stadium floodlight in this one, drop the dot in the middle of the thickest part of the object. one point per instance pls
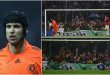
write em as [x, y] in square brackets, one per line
[56, 10]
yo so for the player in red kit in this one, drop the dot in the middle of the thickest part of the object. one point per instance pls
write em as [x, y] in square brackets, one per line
[107, 23]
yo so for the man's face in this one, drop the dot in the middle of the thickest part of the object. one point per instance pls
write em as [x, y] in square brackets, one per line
[14, 32]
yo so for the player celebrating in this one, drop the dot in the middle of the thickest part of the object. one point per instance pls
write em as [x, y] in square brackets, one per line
[18, 57]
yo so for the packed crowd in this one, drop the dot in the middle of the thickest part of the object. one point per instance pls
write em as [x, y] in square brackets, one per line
[82, 23]
[76, 20]
[76, 4]
[89, 52]
[83, 52]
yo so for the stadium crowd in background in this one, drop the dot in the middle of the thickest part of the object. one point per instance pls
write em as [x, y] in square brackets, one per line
[89, 52]
[83, 22]
[76, 4]
[76, 20]
[83, 52]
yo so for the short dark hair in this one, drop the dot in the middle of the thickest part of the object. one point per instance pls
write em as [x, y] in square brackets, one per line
[17, 17]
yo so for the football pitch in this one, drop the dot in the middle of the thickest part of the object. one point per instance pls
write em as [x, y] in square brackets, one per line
[94, 72]
[72, 38]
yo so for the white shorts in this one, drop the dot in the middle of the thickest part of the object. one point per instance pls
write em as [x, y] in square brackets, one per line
[106, 27]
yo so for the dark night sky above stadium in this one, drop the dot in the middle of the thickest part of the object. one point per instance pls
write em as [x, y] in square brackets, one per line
[33, 9]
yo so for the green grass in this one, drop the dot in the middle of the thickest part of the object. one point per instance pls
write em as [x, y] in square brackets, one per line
[76, 72]
[69, 38]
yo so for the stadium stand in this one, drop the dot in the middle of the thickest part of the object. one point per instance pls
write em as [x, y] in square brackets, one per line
[72, 20]
[86, 55]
